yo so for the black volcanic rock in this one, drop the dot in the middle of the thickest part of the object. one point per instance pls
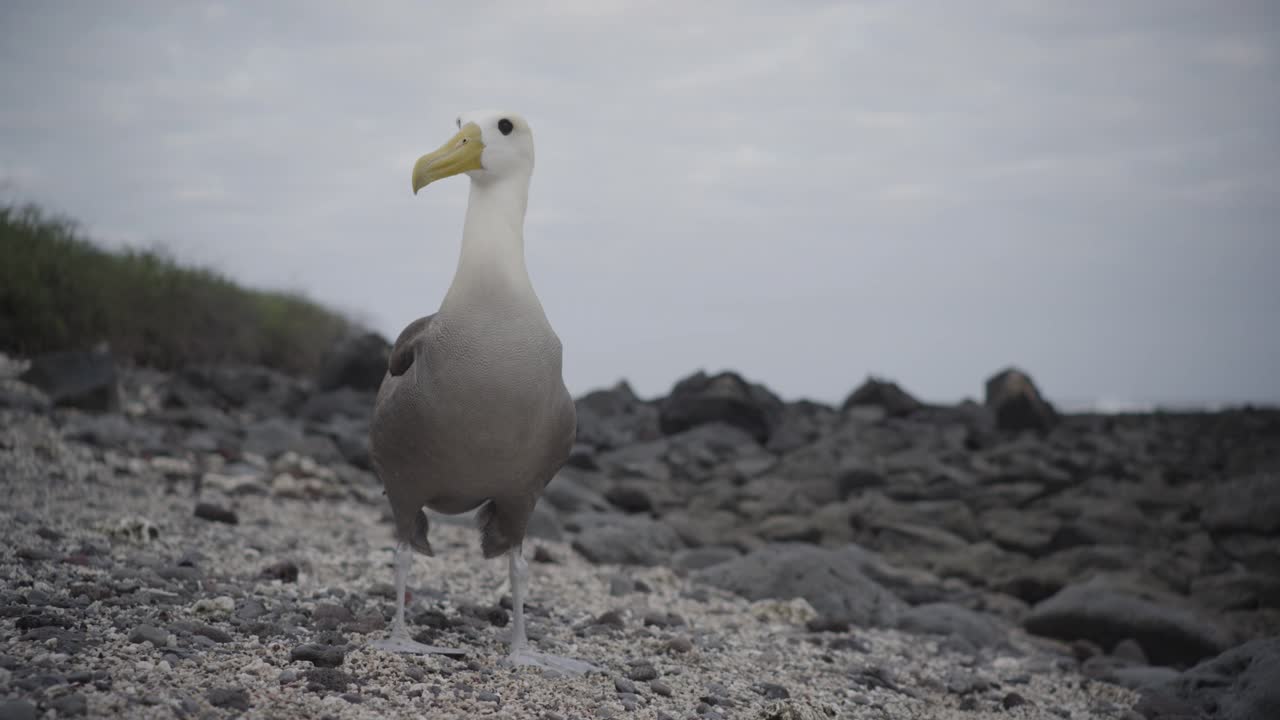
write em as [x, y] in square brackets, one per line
[1105, 612]
[624, 539]
[1240, 684]
[85, 380]
[830, 579]
[1013, 397]
[358, 362]
[726, 397]
[1245, 504]
[616, 417]
[895, 401]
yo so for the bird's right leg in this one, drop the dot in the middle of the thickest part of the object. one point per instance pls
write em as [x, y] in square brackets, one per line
[399, 641]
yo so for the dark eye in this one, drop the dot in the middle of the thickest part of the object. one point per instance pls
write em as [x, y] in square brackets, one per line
[505, 126]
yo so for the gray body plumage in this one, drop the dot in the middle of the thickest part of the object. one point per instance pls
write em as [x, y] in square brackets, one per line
[473, 411]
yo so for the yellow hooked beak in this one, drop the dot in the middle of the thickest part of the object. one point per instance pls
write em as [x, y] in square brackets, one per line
[459, 155]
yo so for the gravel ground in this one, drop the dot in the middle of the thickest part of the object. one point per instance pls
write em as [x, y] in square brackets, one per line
[119, 599]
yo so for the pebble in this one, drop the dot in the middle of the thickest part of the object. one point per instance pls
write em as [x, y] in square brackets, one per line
[1013, 700]
[642, 671]
[151, 634]
[623, 685]
[660, 688]
[771, 691]
[216, 513]
[72, 705]
[319, 655]
[235, 698]
[679, 644]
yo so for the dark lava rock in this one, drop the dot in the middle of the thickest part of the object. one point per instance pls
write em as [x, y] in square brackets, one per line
[679, 644]
[1017, 404]
[319, 679]
[216, 513]
[319, 655]
[623, 685]
[1245, 504]
[328, 616]
[1013, 700]
[771, 691]
[703, 557]
[726, 397]
[85, 380]
[17, 710]
[149, 633]
[660, 688]
[1106, 613]
[955, 621]
[284, 571]
[616, 417]
[1240, 684]
[625, 539]
[642, 671]
[629, 497]
[358, 362]
[234, 698]
[895, 401]
[494, 615]
[72, 705]
[830, 579]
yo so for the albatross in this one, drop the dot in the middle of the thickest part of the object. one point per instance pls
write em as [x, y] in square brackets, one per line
[473, 412]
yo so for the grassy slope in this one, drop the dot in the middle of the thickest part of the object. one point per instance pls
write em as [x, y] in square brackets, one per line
[58, 291]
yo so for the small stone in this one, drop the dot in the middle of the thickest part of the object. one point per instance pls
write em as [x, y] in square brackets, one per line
[679, 644]
[236, 698]
[149, 633]
[352, 698]
[1129, 649]
[619, 586]
[1013, 700]
[319, 655]
[611, 618]
[215, 634]
[662, 620]
[216, 513]
[284, 571]
[969, 704]
[660, 688]
[827, 624]
[319, 679]
[623, 685]
[642, 671]
[543, 555]
[487, 696]
[771, 691]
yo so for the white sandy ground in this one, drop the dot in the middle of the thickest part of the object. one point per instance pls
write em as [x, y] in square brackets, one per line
[343, 545]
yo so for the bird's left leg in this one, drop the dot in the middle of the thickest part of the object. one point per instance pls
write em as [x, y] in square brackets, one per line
[520, 652]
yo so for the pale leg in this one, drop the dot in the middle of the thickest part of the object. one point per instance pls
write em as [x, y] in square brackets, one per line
[399, 641]
[520, 652]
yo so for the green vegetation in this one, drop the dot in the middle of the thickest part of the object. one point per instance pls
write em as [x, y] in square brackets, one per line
[58, 291]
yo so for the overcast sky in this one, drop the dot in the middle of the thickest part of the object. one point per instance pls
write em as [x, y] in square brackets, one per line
[805, 192]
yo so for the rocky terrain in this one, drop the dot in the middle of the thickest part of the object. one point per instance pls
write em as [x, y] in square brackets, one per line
[212, 543]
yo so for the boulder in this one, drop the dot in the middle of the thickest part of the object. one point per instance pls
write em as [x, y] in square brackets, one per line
[85, 380]
[829, 579]
[1104, 611]
[1240, 684]
[895, 401]
[358, 362]
[624, 539]
[726, 397]
[943, 618]
[1013, 397]
[616, 417]
[1245, 504]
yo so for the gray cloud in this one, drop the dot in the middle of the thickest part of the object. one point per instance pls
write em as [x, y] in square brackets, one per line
[806, 193]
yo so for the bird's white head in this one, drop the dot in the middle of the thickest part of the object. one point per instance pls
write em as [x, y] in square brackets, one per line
[489, 145]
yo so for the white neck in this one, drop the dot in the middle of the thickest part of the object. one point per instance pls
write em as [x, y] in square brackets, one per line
[491, 264]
